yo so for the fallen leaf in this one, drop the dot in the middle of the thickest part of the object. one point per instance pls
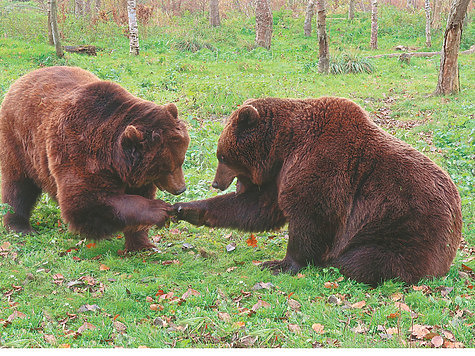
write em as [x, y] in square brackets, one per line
[300, 275]
[394, 315]
[445, 291]
[91, 245]
[230, 269]
[294, 328]
[5, 246]
[64, 346]
[86, 326]
[419, 331]
[360, 329]
[170, 262]
[448, 335]
[224, 316]
[252, 241]
[50, 339]
[358, 305]
[239, 324]
[396, 296]
[186, 246]
[466, 268]
[260, 304]
[190, 292]
[103, 267]
[318, 328]
[149, 299]
[75, 258]
[256, 263]
[231, 247]
[262, 285]
[156, 307]
[403, 306]
[294, 305]
[16, 314]
[330, 285]
[87, 307]
[437, 341]
[116, 316]
[120, 327]
[247, 341]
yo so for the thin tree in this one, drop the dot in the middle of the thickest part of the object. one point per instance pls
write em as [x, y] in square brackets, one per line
[307, 26]
[237, 5]
[53, 10]
[323, 52]
[133, 28]
[351, 9]
[449, 82]
[374, 24]
[435, 24]
[214, 13]
[50, 31]
[263, 24]
[427, 10]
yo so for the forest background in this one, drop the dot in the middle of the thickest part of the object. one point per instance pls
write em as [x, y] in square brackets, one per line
[204, 287]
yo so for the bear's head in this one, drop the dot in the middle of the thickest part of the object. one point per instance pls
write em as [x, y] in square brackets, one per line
[152, 148]
[247, 148]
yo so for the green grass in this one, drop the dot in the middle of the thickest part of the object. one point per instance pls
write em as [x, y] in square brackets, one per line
[207, 72]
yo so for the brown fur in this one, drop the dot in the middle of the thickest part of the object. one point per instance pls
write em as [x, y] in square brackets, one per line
[354, 196]
[99, 151]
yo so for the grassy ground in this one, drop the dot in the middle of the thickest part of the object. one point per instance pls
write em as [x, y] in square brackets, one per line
[60, 291]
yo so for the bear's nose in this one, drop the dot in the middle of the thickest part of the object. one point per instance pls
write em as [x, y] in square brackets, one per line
[181, 190]
[215, 185]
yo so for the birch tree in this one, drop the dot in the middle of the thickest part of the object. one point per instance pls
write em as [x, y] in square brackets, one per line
[374, 24]
[323, 52]
[53, 22]
[307, 26]
[449, 82]
[435, 24]
[133, 28]
[427, 10]
[214, 13]
[263, 24]
[351, 9]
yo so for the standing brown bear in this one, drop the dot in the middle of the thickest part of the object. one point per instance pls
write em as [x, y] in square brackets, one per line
[354, 196]
[99, 151]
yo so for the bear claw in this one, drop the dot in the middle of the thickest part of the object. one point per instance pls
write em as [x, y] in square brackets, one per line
[281, 266]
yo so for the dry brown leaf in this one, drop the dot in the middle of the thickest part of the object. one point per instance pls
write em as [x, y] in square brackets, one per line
[392, 331]
[156, 307]
[358, 305]
[300, 275]
[50, 339]
[260, 304]
[437, 341]
[149, 299]
[64, 346]
[294, 328]
[239, 324]
[230, 269]
[120, 327]
[419, 331]
[86, 326]
[5, 246]
[294, 305]
[103, 267]
[330, 285]
[403, 306]
[190, 292]
[170, 262]
[318, 328]
[224, 316]
[360, 329]
[16, 314]
[396, 296]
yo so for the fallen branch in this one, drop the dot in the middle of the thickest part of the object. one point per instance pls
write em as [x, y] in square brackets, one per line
[420, 54]
[90, 50]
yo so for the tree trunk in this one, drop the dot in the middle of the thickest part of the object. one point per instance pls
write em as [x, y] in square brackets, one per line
[214, 13]
[53, 6]
[427, 9]
[351, 9]
[133, 29]
[436, 14]
[50, 30]
[374, 24]
[307, 26]
[323, 52]
[237, 5]
[78, 8]
[263, 24]
[448, 82]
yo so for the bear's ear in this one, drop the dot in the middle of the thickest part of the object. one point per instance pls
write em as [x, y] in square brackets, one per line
[248, 117]
[172, 109]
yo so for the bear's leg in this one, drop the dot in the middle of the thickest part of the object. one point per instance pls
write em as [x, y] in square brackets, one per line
[373, 264]
[21, 195]
[303, 248]
[136, 240]
[254, 210]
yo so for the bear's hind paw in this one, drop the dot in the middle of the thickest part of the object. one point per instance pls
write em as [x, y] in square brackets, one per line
[281, 266]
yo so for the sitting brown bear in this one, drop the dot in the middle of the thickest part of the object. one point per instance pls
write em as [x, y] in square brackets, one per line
[99, 151]
[354, 196]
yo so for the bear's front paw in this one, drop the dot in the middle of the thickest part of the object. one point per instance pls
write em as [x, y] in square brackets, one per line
[189, 213]
[281, 266]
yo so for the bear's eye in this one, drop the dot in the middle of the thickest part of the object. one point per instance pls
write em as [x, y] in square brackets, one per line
[221, 158]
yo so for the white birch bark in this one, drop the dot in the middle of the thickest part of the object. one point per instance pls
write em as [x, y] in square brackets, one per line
[133, 28]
